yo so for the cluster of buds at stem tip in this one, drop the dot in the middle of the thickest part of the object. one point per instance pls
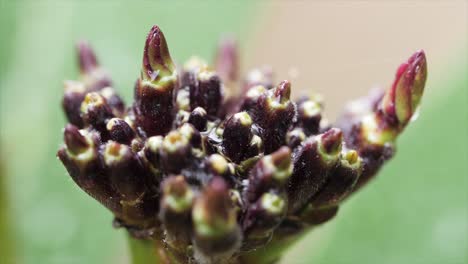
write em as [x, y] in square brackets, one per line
[214, 166]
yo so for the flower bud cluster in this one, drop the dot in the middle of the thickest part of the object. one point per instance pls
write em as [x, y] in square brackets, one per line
[215, 172]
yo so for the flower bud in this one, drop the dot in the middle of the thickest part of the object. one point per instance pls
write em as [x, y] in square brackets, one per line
[94, 77]
[270, 172]
[237, 136]
[399, 103]
[340, 182]
[295, 137]
[153, 91]
[71, 102]
[176, 206]
[198, 118]
[313, 163]
[275, 114]
[175, 152]
[402, 99]
[264, 215]
[126, 172]
[120, 131]
[216, 232]
[96, 112]
[309, 116]
[81, 159]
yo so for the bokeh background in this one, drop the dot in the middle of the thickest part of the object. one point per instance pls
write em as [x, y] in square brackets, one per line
[416, 211]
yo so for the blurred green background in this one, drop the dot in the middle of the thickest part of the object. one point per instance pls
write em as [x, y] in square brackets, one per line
[415, 212]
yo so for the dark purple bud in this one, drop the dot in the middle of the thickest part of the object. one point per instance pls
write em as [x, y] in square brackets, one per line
[251, 98]
[71, 103]
[237, 136]
[340, 182]
[270, 172]
[113, 100]
[154, 90]
[198, 118]
[313, 162]
[152, 150]
[209, 94]
[94, 77]
[175, 152]
[80, 158]
[96, 112]
[86, 58]
[120, 131]
[331, 141]
[216, 232]
[275, 114]
[175, 211]
[126, 171]
[263, 216]
[309, 116]
[75, 142]
[295, 137]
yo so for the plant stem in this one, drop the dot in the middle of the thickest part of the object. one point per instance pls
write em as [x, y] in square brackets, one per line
[146, 251]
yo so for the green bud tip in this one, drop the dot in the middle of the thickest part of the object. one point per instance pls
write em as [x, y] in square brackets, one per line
[273, 203]
[213, 212]
[218, 163]
[244, 118]
[351, 159]
[310, 108]
[177, 193]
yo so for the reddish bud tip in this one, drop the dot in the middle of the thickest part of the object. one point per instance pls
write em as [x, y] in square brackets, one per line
[283, 91]
[402, 99]
[157, 62]
[227, 60]
[75, 142]
[331, 140]
[86, 57]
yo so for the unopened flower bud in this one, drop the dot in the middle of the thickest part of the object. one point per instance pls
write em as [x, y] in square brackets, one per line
[237, 136]
[176, 206]
[270, 172]
[341, 181]
[120, 131]
[313, 163]
[153, 94]
[217, 234]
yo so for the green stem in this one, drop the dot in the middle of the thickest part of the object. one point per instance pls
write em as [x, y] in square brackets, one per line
[146, 251]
